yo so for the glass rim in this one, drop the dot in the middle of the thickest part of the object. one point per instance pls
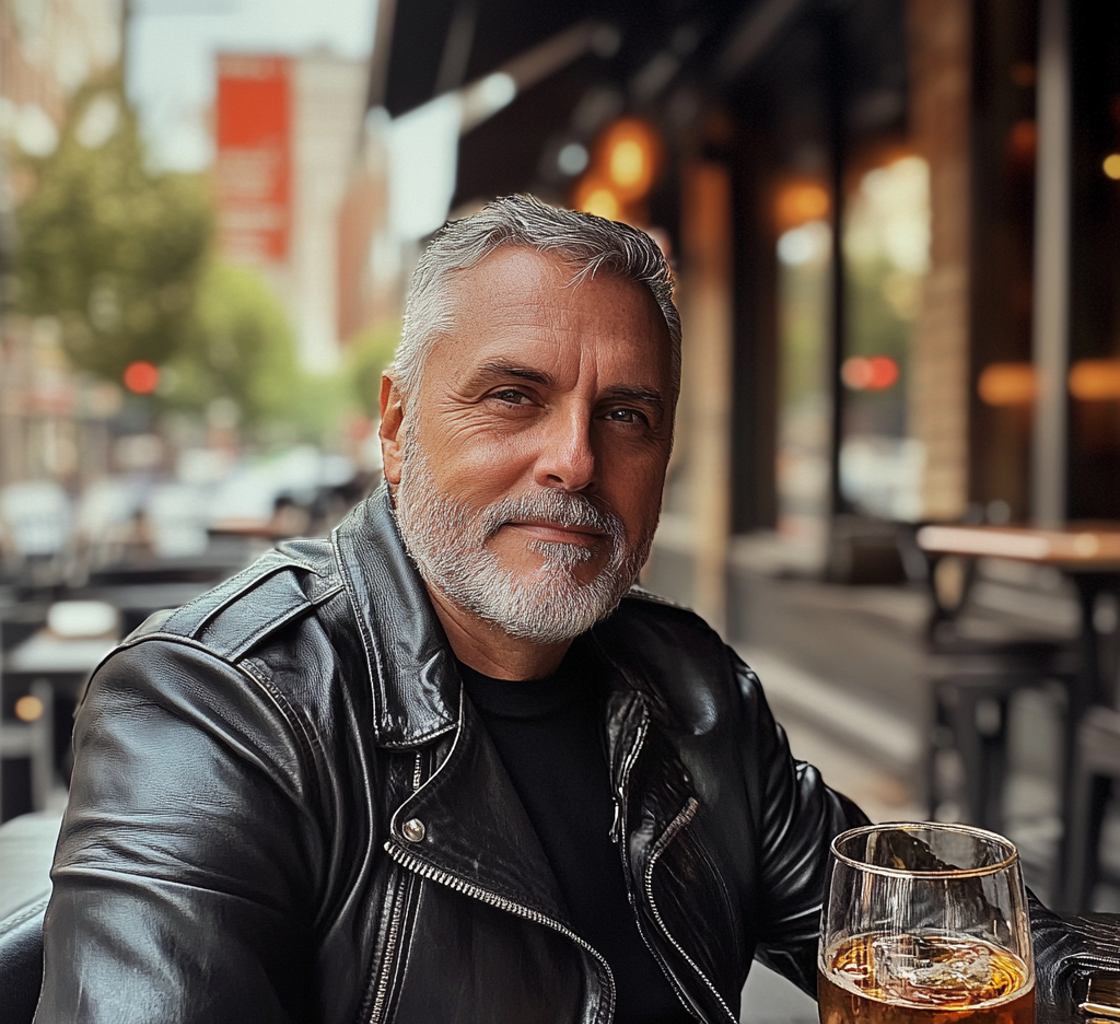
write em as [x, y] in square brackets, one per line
[1002, 842]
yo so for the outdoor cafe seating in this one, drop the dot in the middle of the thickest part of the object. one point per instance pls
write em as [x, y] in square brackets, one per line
[979, 667]
[971, 691]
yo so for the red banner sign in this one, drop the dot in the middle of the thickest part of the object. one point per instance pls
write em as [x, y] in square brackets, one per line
[254, 137]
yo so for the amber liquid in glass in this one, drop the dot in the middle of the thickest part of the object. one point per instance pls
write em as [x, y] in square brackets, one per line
[923, 979]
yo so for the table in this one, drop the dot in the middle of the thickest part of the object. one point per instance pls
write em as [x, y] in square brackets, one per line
[54, 670]
[1089, 555]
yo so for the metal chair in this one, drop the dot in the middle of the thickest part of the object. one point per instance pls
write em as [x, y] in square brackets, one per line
[973, 680]
[970, 700]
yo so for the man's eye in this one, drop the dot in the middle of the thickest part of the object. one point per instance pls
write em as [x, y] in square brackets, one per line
[511, 396]
[626, 416]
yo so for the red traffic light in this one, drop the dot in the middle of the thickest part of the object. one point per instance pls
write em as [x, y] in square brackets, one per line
[141, 377]
[875, 373]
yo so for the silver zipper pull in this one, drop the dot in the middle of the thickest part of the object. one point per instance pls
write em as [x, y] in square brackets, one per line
[616, 825]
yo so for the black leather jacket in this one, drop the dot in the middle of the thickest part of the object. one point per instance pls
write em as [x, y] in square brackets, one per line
[283, 809]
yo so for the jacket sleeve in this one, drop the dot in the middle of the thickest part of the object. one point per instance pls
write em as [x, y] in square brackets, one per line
[797, 816]
[186, 861]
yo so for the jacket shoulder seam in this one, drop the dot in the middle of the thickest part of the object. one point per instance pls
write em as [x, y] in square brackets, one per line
[23, 915]
[307, 741]
[285, 615]
[196, 615]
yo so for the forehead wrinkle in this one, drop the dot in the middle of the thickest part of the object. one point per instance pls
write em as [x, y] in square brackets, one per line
[548, 321]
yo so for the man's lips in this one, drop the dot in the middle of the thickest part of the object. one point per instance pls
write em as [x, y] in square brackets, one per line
[554, 533]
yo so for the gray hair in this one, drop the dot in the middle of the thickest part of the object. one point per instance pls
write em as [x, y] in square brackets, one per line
[585, 242]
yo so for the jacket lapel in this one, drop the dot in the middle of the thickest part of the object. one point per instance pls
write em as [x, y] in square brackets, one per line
[411, 668]
[476, 835]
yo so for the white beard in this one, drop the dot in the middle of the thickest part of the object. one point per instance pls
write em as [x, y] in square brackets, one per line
[547, 605]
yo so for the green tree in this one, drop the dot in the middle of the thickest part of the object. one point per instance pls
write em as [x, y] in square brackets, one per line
[366, 358]
[241, 347]
[111, 248]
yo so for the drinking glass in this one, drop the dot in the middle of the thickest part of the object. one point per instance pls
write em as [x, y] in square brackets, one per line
[925, 922]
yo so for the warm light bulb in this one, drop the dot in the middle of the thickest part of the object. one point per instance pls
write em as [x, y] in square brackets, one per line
[602, 203]
[1112, 166]
[29, 709]
[628, 164]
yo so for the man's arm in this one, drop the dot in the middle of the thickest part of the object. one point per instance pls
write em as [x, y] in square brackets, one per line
[1068, 951]
[184, 875]
[798, 815]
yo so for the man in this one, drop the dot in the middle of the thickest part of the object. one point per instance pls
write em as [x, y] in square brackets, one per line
[448, 766]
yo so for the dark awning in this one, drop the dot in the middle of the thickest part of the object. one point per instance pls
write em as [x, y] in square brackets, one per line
[426, 48]
[435, 46]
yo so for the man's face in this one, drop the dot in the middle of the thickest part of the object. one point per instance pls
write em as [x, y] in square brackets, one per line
[531, 458]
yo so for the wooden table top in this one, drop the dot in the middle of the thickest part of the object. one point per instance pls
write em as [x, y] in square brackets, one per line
[1092, 547]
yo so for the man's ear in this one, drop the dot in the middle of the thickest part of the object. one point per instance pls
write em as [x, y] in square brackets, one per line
[392, 420]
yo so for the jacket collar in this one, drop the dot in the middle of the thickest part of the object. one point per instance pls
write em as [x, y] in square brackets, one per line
[412, 670]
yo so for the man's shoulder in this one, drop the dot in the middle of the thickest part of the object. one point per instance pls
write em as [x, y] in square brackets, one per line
[277, 590]
[666, 640]
[643, 609]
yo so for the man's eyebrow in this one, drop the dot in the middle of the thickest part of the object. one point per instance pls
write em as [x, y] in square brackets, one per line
[498, 369]
[626, 392]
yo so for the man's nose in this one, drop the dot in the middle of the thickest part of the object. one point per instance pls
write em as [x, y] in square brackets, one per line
[567, 455]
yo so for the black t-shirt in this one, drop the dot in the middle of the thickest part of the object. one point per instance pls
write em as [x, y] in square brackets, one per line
[549, 734]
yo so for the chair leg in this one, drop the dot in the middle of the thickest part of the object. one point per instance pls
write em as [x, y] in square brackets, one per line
[1095, 768]
[1090, 798]
[979, 732]
[935, 743]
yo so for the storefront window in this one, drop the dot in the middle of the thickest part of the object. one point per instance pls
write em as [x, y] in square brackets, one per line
[886, 253]
[804, 255]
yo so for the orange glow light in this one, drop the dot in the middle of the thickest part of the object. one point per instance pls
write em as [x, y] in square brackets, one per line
[1006, 384]
[877, 373]
[1095, 380]
[593, 196]
[801, 202]
[28, 709]
[629, 157]
[141, 377]
[1112, 166]
[1022, 143]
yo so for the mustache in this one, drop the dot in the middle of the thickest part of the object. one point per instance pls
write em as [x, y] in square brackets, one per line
[558, 508]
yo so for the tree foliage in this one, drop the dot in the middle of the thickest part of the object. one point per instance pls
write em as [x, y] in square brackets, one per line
[109, 247]
[367, 357]
[240, 346]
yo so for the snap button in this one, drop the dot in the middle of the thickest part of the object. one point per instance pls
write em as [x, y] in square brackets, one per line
[413, 830]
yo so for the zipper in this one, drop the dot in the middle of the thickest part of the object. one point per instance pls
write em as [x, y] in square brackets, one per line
[624, 778]
[425, 870]
[400, 901]
[381, 994]
[680, 821]
[616, 835]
